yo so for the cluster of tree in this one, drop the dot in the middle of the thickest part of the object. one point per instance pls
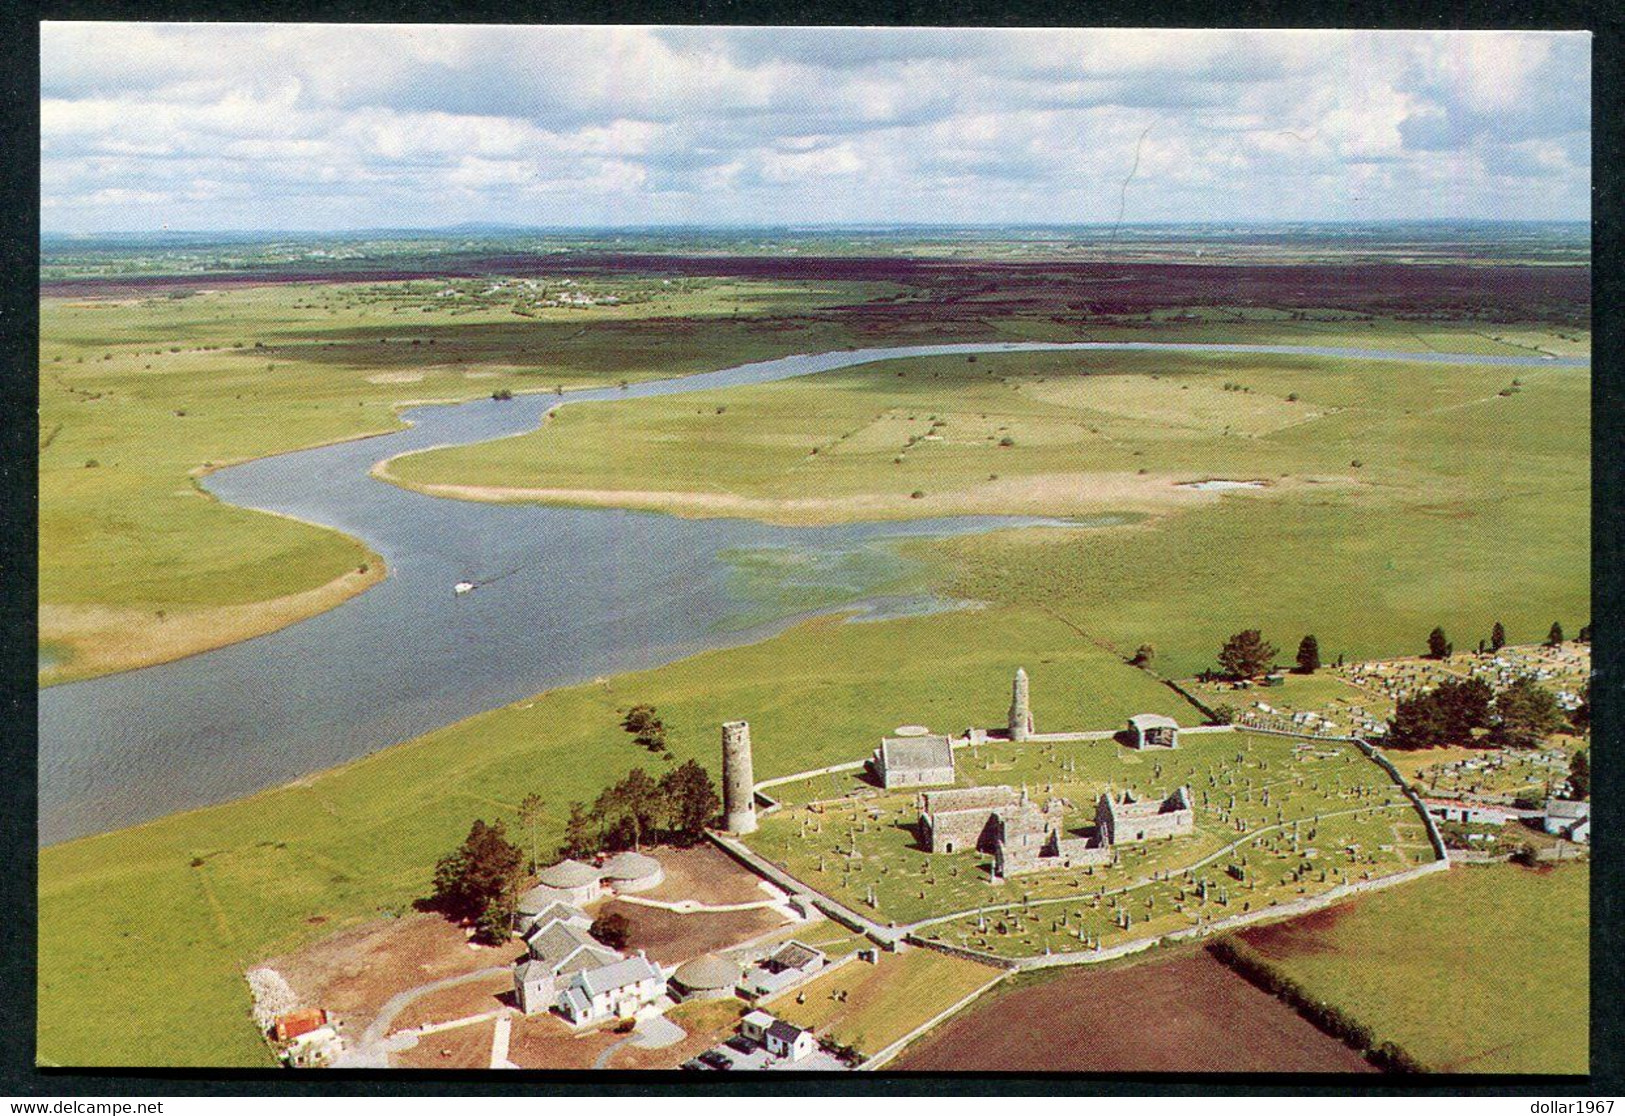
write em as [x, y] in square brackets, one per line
[1580, 776]
[1248, 654]
[479, 881]
[674, 808]
[1520, 716]
[1438, 646]
[647, 730]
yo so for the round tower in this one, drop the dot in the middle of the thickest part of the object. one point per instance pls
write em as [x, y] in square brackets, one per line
[738, 784]
[1021, 717]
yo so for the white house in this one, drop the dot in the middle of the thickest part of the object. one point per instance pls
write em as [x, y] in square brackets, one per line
[1568, 819]
[558, 950]
[614, 991]
[789, 1041]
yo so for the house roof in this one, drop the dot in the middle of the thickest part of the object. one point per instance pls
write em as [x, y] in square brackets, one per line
[759, 1018]
[1143, 721]
[1563, 808]
[629, 970]
[576, 1000]
[557, 940]
[631, 866]
[785, 1032]
[543, 904]
[796, 955]
[916, 753]
[569, 874]
[708, 971]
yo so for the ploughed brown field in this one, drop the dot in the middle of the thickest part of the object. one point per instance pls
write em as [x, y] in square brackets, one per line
[1186, 1014]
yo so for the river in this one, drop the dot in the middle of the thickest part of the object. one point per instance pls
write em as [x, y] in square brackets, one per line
[579, 593]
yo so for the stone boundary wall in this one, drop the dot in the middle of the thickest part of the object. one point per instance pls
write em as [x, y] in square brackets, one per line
[887, 1053]
[1285, 910]
[1202, 706]
[847, 917]
[829, 967]
[832, 769]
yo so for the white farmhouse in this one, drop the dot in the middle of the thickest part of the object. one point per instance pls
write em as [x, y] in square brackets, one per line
[616, 991]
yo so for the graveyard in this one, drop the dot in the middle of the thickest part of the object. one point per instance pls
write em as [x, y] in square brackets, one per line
[1276, 819]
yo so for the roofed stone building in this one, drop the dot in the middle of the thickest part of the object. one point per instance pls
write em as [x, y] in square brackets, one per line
[1153, 730]
[913, 761]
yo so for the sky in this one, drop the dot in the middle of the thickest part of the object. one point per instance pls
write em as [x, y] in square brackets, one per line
[148, 126]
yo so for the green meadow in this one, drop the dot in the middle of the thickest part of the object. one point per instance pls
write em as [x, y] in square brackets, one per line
[199, 897]
[1399, 496]
[1479, 970]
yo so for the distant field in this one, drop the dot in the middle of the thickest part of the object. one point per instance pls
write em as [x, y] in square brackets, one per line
[883, 1003]
[304, 861]
[1478, 970]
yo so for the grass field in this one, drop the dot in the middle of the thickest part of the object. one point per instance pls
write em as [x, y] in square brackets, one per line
[1479, 970]
[1292, 819]
[202, 895]
[883, 1002]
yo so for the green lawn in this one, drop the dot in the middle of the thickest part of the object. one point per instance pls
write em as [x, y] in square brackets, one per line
[884, 1002]
[1480, 970]
[199, 896]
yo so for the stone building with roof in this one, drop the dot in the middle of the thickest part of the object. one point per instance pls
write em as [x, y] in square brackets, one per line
[789, 965]
[632, 871]
[913, 761]
[1153, 730]
[556, 952]
[572, 882]
[618, 990]
[709, 976]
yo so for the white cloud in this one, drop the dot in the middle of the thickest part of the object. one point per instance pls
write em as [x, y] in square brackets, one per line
[220, 125]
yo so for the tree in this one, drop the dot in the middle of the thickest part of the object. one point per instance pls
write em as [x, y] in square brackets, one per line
[646, 728]
[1526, 714]
[1444, 716]
[581, 833]
[611, 928]
[1308, 655]
[1418, 722]
[1143, 655]
[1584, 635]
[1580, 776]
[530, 816]
[1438, 645]
[690, 801]
[1246, 655]
[630, 810]
[1580, 718]
[494, 923]
[1554, 637]
[1464, 706]
[483, 870]
[1498, 637]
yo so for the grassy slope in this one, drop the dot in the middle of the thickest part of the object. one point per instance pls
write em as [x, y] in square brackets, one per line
[363, 839]
[1509, 993]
